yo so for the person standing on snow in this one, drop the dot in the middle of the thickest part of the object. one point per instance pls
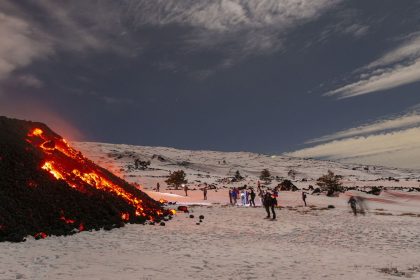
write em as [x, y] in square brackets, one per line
[158, 187]
[186, 190]
[246, 197]
[243, 198]
[252, 195]
[234, 196]
[261, 195]
[205, 193]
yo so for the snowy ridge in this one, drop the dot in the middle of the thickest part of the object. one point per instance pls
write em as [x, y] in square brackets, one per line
[212, 166]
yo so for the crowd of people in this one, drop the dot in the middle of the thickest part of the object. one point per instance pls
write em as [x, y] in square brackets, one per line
[245, 196]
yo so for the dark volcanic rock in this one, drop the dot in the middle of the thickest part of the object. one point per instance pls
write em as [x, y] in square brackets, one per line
[79, 196]
[287, 185]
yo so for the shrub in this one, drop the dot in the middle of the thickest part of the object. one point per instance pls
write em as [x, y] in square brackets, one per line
[238, 177]
[330, 183]
[265, 176]
[176, 179]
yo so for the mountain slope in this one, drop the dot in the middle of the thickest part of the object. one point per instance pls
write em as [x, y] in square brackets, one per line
[213, 167]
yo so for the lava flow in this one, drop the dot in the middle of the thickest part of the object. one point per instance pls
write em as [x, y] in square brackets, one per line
[69, 165]
[48, 188]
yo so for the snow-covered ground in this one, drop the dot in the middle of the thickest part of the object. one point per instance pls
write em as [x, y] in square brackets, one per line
[235, 242]
[231, 243]
[212, 167]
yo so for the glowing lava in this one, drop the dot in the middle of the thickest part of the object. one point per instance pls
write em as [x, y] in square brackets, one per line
[67, 164]
[49, 167]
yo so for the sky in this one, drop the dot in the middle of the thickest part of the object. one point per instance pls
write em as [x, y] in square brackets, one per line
[328, 79]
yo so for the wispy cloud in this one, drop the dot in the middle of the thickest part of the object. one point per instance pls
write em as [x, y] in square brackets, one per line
[251, 26]
[29, 81]
[395, 149]
[400, 66]
[398, 123]
[390, 142]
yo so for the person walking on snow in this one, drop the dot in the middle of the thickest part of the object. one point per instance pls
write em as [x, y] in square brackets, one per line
[353, 204]
[269, 203]
[304, 197]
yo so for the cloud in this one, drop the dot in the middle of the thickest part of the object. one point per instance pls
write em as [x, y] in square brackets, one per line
[232, 29]
[39, 29]
[398, 123]
[357, 30]
[228, 15]
[29, 81]
[400, 66]
[20, 44]
[392, 142]
[396, 149]
[36, 32]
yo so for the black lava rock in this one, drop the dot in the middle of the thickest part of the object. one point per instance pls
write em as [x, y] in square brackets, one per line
[34, 201]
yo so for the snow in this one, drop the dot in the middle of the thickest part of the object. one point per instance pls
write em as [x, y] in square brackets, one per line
[311, 242]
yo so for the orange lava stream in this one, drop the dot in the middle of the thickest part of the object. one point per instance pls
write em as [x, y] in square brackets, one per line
[66, 170]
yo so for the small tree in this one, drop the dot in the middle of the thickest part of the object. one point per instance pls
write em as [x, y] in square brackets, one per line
[292, 174]
[141, 165]
[176, 178]
[265, 176]
[330, 183]
[238, 177]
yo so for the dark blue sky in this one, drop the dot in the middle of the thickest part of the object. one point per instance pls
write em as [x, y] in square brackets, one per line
[263, 76]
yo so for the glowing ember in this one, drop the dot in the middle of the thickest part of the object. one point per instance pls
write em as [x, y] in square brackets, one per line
[40, 235]
[67, 221]
[125, 216]
[36, 132]
[48, 145]
[49, 167]
[173, 211]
